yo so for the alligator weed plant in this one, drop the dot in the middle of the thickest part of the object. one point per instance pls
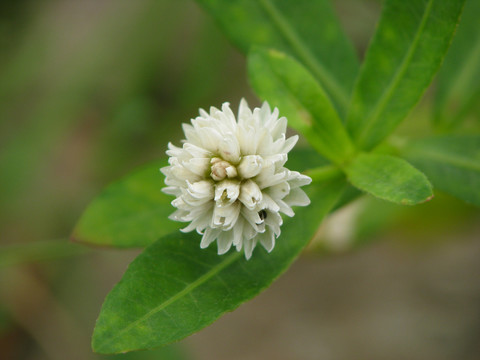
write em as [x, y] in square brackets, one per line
[247, 201]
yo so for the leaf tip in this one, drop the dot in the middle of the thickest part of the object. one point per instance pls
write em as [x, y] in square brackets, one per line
[406, 201]
[428, 198]
[77, 238]
[74, 238]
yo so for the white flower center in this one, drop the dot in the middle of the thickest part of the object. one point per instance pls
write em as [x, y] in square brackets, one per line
[222, 169]
[229, 178]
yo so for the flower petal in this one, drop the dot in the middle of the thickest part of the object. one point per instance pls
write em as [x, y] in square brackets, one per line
[248, 246]
[297, 197]
[225, 217]
[250, 166]
[229, 149]
[229, 179]
[226, 192]
[224, 241]
[250, 194]
[267, 239]
[209, 236]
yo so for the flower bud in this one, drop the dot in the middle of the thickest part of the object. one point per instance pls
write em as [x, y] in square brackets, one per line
[222, 169]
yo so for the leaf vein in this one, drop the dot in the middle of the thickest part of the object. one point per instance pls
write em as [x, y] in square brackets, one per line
[302, 51]
[388, 93]
[187, 290]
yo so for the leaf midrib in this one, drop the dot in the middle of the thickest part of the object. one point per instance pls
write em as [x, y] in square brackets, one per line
[317, 127]
[383, 100]
[312, 127]
[189, 288]
[319, 70]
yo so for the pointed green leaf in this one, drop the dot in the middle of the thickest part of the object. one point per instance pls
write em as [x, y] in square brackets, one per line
[307, 30]
[458, 87]
[174, 288]
[389, 178]
[406, 51]
[132, 212]
[287, 85]
[451, 162]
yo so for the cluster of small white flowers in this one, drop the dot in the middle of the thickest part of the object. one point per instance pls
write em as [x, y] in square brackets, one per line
[229, 177]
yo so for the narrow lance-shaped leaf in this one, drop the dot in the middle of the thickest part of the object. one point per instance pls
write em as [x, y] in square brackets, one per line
[458, 87]
[389, 178]
[406, 51]
[307, 30]
[132, 212]
[174, 288]
[451, 162]
[289, 86]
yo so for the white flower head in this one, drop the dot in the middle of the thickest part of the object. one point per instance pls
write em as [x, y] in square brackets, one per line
[229, 177]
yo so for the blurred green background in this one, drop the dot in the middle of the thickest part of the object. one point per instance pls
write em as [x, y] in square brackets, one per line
[92, 89]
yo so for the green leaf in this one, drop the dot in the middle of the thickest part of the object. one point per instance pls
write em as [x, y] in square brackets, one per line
[174, 288]
[307, 30]
[389, 178]
[458, 87]
[451, 162]
[132, 212]
[289, 86]
[406, 51]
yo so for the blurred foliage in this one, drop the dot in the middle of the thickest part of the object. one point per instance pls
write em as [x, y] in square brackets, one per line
[89, 91]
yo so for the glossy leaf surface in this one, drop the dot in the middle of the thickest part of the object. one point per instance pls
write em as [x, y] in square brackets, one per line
[307, 30]
[174, 288]
[286, 84]
[389, 178]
